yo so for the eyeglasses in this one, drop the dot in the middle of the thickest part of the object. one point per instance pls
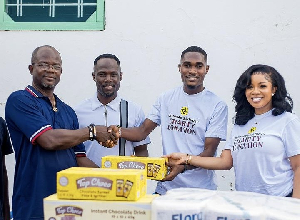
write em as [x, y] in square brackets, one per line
[46, 66]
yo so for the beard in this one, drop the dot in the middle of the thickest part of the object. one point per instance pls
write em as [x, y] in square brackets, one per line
[105, 94]
[191, 87]
[50, 86]
[108, 94]
[47, 86]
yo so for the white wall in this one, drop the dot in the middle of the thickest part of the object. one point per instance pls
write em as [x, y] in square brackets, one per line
[149, 35]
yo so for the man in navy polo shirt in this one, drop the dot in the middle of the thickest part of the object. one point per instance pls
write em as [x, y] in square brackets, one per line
[45, 135]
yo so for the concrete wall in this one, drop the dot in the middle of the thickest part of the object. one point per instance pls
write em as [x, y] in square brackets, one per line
[148, 36]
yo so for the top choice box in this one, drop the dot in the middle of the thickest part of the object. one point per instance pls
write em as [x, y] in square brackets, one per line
[101, 184]
[155, 166]
[58, 209]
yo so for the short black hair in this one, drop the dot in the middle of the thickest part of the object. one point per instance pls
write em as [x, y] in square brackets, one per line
[281, 101]
[194, 49]
[34, 53]
[107, 55]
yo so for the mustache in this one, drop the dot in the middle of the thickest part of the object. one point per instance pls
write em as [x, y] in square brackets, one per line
[50, 76]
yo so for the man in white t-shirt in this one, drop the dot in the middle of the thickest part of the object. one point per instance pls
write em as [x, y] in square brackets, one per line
[193, 120]
[103, 108]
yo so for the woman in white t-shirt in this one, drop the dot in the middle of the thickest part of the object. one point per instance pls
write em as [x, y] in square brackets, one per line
[264, 145]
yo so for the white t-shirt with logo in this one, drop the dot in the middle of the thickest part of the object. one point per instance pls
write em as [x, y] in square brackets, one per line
[261, 150]
[186, 120]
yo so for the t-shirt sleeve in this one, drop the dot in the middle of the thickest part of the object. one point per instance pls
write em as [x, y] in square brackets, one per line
[155, 112]
[229, 142]
[140, 118]
[218, 122]
[24, 114]
[291, 137]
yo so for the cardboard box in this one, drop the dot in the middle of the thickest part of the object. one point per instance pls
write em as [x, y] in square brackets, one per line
[101, 184]
[155, 166]
[55, 209]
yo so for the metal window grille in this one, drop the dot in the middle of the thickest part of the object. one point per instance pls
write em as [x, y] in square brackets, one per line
[50, 10]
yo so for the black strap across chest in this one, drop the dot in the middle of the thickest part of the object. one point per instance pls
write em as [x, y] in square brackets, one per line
[123, 123]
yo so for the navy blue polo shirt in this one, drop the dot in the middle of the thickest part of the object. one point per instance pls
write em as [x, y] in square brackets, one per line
[28, 115]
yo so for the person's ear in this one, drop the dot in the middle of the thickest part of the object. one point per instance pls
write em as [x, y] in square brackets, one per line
[179, 66]
[30, 67]
[121, 75]
[94, 77]
[207, 68]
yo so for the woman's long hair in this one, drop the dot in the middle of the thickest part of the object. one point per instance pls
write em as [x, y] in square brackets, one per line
[281, 101]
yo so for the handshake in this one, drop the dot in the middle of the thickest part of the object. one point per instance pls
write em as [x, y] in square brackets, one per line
[107, 136]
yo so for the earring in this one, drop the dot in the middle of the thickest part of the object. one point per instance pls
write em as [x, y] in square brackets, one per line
[273, 94]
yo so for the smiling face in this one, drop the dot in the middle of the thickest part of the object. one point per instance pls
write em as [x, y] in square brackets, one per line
[107, 75]
[46, 69]
[259, 92]
[193, 69]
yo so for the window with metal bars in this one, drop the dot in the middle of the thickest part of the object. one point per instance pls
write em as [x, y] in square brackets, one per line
[52, 15]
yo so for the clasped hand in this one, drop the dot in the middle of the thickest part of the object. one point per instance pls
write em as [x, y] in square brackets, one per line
[107, 136]
[175, 163]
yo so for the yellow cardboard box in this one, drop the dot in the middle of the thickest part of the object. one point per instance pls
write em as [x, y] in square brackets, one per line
[155, 166]
[101, 184]
[55, 209]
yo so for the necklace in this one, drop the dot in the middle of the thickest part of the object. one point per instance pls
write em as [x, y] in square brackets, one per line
[53, 103]
[54, 108]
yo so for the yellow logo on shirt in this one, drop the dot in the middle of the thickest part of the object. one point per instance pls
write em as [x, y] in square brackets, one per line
[184, 110]
[251, 130]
